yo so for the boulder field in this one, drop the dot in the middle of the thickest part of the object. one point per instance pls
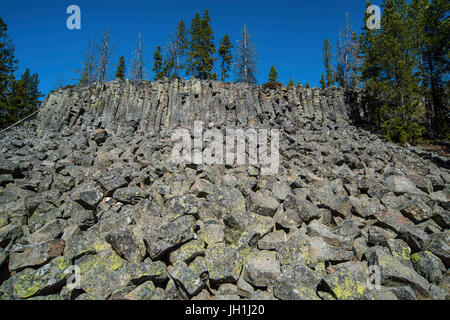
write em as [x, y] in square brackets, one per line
[92, 205]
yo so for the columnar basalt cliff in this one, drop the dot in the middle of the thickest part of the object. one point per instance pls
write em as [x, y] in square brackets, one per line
[161, 105]
[89, 189]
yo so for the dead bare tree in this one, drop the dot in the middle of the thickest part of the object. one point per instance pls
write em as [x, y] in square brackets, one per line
[246, 64]
[137, 63]
[347, 57]
[103, 54]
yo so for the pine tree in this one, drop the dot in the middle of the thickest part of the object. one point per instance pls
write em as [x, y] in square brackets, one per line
[226, 57]
[8, 64]
[120, 72]
[327, 57]
[389, 72]
[432, 31]
[158, 64]
[24, 96]
[179, 45]
[201, 47]
[307, 85]
[322, 82]
[245, 64]
[273, 75]
[83, 81]
[291, 83]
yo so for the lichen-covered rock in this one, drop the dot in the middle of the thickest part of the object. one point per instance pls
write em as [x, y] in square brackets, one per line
[188, 252]
[439, 244]
[103, 273]
[96, 170]
[29, 282]
[161, 238]
[393, 272]
[224, 263]
[297, 282]
[348, 281]
[147, 270]
[428, 266]
[188, 279]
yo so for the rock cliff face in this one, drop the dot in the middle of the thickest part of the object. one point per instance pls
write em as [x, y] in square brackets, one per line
[158, 106]
[90, 188]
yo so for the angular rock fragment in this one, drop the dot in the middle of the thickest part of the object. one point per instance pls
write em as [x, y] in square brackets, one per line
[428, 266]
[263, 203]
[162, 238]
[129, 195]
[262, 269]
[29, 282]
[348, 281]
[297, 282]
[224, 263]
[89, 195]
[36, 255]
[392, 272]
[187, 278]
[126, 245]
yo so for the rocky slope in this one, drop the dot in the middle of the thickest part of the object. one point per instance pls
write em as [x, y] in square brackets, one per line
[90, 183]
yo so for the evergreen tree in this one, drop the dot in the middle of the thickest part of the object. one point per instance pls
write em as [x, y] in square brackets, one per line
[8, 64]
[158, 64]
[226, 57]
[120, 72]
[24, 97]
[327, 56]
[291, 83]
[83, 81]
[432, 34]
[273, 75]
[307, 85]
[180, 45]
[389, 72]
[201, 47]
[322, 82]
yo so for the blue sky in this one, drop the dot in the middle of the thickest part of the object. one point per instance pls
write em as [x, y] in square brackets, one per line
[288, 34]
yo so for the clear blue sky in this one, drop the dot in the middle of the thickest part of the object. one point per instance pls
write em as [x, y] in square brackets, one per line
[288, 34]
